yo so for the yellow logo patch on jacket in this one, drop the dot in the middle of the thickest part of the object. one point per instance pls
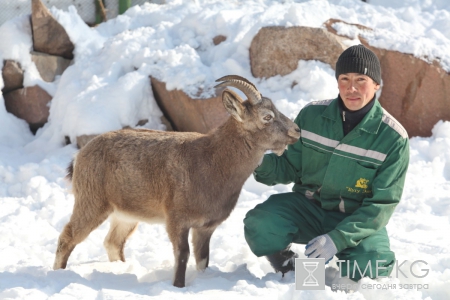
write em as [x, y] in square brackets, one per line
[362, 183]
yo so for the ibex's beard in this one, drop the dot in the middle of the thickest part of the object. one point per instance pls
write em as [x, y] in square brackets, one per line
[279, 151]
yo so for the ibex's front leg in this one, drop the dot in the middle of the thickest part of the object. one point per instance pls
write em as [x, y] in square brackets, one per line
[179, 238]
[200, 239]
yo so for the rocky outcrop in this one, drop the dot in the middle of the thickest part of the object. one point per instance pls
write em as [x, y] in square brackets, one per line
[415, 92]
[12, 75]
[277, 50]
[55, 53]
[48, 35]
[49, 66]
[187, 114]
[29, 104]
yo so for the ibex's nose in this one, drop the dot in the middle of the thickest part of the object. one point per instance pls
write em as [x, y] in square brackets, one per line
[294, 132]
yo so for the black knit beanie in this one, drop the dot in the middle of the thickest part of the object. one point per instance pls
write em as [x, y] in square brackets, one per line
[359, 59]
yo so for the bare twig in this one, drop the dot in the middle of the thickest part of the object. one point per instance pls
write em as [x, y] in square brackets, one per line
[102, 9]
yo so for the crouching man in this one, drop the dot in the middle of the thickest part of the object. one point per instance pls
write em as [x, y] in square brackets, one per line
[349, 168]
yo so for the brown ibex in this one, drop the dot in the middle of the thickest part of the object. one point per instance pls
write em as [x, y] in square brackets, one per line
[183, 179]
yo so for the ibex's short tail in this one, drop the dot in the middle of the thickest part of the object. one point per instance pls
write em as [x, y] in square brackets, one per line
[70, 171]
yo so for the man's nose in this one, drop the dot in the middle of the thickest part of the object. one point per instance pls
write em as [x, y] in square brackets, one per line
[351, 86]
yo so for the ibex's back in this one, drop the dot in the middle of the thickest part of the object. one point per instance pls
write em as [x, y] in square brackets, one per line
[131, 170]
[187, 180]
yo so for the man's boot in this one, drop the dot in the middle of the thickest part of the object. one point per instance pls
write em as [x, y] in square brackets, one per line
[283, 261]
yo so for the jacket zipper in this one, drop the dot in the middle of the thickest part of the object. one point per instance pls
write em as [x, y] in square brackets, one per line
[343, 115]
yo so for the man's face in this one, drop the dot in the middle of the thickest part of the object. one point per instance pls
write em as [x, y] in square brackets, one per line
[356, 90]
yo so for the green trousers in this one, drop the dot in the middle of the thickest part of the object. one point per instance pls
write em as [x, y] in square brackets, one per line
[292, 218]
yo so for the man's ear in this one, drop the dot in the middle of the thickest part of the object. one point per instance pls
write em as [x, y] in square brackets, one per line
[377, 87]
[233, 104]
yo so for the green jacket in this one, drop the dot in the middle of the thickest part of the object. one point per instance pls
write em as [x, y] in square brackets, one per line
[361, 174]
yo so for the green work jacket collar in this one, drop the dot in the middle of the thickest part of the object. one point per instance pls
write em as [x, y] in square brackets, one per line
[370, 123]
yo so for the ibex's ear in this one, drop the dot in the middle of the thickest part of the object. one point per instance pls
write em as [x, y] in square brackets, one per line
[233, 104]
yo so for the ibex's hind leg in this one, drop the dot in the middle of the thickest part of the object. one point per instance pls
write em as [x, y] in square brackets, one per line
[179, 238]
[200, 239]
[118, 234]
[82, 222]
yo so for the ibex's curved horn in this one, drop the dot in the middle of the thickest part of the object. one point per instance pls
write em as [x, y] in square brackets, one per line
[248, 88]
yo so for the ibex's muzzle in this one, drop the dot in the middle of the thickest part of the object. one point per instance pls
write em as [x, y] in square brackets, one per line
[294, 132]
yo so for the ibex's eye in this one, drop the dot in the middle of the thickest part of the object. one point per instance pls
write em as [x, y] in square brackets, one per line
[268, 118]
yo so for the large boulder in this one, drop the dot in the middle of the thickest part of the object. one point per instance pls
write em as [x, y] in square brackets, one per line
[276, 50]
[48, 35]
[30, 104]
[12, 75]
[49, 66]
[187, 114]
[414, 91]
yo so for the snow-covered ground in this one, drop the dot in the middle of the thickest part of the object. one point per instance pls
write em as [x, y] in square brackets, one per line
[107, 88]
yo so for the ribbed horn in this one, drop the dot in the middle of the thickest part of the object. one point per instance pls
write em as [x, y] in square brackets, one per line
[248, 88]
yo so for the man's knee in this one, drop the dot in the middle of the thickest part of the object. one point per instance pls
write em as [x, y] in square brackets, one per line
[267, 232]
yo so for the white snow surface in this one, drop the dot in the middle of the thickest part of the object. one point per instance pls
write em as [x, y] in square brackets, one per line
[107, 87]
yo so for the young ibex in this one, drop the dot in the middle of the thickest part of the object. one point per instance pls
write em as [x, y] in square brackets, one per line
[183, 179]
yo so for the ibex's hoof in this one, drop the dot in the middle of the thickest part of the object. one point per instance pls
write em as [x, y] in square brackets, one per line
[58, 265]
[202, 265]
[179, 284]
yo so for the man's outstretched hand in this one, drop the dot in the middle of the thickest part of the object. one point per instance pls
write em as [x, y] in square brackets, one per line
[321, 247]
